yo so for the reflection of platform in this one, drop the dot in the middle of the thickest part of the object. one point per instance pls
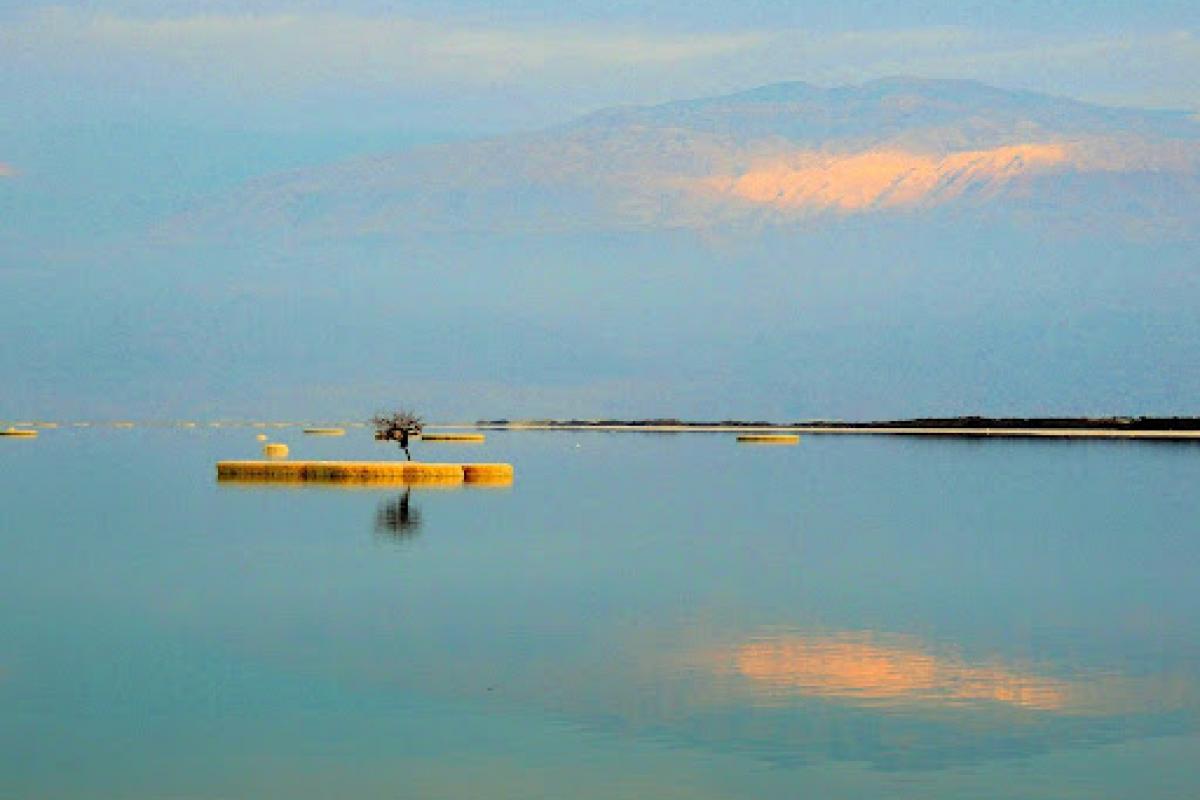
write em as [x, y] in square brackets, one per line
[396, 472]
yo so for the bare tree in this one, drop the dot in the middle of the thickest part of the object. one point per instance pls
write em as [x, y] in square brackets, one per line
[397, 427]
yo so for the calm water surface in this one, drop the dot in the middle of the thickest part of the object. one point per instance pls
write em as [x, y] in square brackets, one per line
[638, 615]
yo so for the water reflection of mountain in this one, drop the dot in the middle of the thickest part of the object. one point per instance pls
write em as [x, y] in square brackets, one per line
[889, 702]
[897, 703]
[398, 518]
[859, 668]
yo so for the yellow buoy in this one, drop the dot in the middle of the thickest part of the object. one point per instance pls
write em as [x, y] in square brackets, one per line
[275, 450]
[25, 433]
[262, 437]
[325, 431]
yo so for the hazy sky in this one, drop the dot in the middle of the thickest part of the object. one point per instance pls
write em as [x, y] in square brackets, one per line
[155, 101]
[115, 114]
[108, 94]
[442, 68]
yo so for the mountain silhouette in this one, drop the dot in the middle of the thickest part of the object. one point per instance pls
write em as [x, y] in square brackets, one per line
[789, 154]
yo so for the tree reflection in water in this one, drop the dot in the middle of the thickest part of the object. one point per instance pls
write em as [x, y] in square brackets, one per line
[397, 518]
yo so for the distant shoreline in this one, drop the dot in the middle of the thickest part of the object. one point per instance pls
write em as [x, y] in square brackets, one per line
[1177, 428]
[1145, 428]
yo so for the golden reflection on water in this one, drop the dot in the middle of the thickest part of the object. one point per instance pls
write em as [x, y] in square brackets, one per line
[865, 668]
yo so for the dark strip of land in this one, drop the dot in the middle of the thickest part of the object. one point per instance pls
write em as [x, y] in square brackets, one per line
[1054, 427]
[1032, 423]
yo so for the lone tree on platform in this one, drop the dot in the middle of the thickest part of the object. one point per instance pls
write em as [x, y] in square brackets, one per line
[397, 427]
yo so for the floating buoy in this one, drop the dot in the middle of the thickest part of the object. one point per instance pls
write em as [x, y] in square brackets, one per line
[275, 450]
[262, 437]
[25, 433]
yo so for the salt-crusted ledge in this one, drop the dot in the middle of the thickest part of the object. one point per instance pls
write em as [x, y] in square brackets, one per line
[363, 472]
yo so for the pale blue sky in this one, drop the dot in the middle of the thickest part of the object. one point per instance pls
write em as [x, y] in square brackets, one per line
[436, 68]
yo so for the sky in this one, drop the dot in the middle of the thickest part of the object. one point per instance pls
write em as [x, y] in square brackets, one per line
[118, 95]
[101, 91]
[118, 114]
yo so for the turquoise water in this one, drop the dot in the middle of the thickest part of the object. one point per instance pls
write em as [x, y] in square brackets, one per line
[638, 615]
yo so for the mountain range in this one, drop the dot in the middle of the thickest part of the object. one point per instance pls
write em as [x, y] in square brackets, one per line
[784, 155]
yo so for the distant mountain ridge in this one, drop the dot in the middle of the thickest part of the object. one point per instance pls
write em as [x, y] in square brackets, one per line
[779, 155]
[880, 109]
